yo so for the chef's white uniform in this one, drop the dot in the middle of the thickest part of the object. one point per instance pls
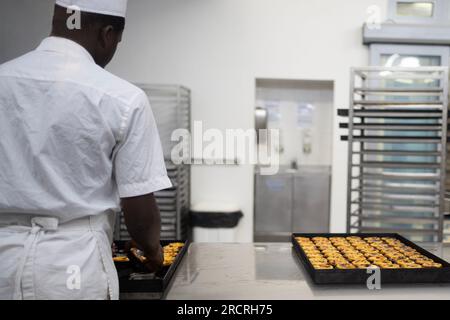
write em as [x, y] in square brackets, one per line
[74, 139]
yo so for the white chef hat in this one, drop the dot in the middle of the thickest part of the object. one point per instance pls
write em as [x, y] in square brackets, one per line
[109, 7]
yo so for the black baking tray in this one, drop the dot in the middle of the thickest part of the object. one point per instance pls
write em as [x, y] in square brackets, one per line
[396, 139]
[360, 276]
[392, 113]
[398, 126]
[157, 285]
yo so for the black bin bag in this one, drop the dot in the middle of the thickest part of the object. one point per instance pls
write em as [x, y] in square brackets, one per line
[215, 219]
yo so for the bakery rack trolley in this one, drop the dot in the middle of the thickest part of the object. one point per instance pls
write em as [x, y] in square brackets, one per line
[397, 137]
[171, 106]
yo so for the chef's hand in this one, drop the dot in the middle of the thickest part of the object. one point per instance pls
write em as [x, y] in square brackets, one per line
[155, 259]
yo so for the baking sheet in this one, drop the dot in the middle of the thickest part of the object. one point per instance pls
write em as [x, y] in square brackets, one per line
[146, 284]
[360, 276]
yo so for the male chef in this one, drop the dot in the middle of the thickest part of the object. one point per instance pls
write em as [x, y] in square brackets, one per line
[76, 144]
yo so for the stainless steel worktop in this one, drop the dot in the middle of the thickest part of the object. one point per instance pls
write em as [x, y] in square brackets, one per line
[271, 271]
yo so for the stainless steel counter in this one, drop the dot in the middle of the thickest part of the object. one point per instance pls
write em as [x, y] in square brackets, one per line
[271, 271]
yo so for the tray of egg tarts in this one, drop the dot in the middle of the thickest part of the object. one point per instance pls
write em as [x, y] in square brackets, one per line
[134, 276]
[346, 258]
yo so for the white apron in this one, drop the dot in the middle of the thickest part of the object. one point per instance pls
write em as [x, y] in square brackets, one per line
[42, 260]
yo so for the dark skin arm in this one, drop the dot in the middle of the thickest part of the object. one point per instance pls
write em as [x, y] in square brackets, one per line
[143, 222]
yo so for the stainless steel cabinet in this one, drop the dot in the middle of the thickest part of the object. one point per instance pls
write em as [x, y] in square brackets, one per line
[292, 201]
[311, 210]
[273, 205]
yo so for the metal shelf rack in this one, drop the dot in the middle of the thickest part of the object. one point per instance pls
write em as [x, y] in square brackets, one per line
[397, 136]
[447, 230]
[171, 107]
